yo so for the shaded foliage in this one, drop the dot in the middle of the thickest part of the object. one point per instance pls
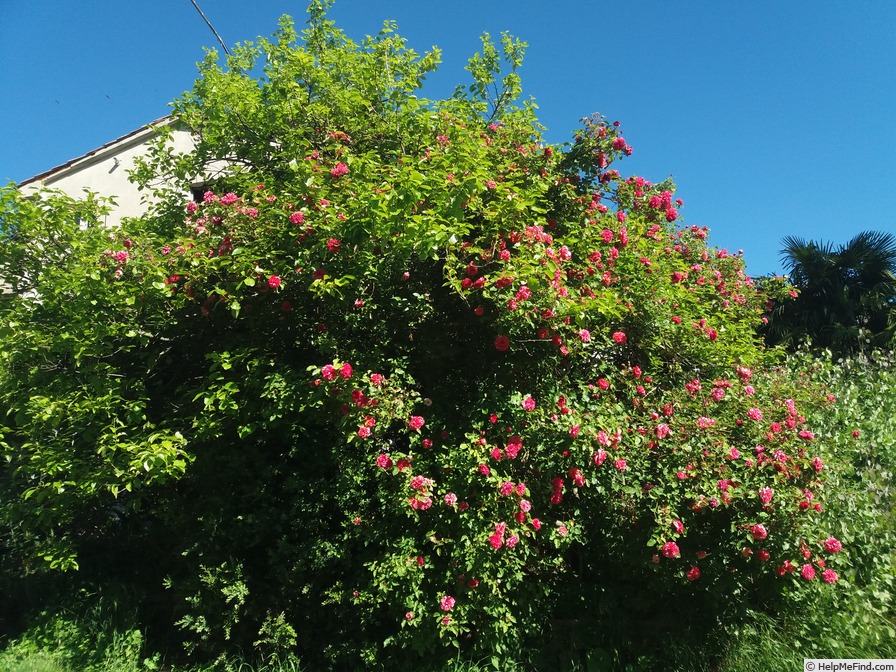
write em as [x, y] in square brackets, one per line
[846, 298]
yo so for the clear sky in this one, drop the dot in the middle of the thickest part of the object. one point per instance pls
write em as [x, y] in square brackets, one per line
[774, 117]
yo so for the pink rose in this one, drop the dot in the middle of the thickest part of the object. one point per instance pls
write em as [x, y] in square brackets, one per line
[670, 549]
[832, 545]
[758, 532]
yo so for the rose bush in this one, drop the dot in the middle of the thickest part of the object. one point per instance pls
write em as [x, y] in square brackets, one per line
[406, 372]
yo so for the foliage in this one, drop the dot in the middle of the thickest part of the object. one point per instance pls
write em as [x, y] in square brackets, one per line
[407, 375]
[859, 428]
[97, 639]
[845, 297]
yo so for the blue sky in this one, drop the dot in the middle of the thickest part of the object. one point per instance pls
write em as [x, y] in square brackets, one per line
[775, 118]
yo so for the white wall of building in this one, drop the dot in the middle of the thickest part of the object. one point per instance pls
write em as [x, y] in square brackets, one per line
[105, 171]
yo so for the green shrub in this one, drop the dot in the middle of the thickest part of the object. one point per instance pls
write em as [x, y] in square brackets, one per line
[407, 375]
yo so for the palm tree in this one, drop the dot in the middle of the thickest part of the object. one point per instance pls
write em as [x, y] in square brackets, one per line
[847, 295]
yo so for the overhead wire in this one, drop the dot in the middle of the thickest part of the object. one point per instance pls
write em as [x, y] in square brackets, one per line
[211, 27]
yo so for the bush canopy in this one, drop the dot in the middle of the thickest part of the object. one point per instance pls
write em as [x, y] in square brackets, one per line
[406, 373]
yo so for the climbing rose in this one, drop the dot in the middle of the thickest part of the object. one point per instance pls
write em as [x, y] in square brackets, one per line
[447, 603]
[758, 532]
[705, 423]
[346, 371]
[662, 431]
[693, 573]
[619, 337]
[528, 404]
[450, 499]
[766, 494]
[585, 335]
[832, 545]
[808, 572]
[416, 422]
[339, 170]
[502, 343]
[829, 576]
[420, 504]
[670, 549]
[297, 218]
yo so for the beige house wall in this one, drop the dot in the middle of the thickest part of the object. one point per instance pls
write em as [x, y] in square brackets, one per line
[105, 171]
